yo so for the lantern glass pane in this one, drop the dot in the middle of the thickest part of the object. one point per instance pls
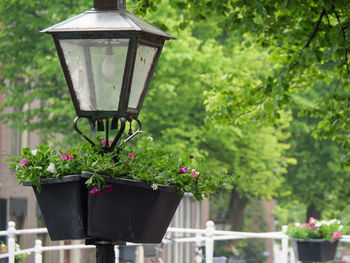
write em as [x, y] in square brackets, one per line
[144, 60]
[96, 67]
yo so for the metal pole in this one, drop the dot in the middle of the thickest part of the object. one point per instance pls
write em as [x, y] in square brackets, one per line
[11, 242]
[109, 4]
[209, 242]
[105, 253]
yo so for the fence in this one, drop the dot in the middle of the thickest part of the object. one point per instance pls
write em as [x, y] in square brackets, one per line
[206, 236]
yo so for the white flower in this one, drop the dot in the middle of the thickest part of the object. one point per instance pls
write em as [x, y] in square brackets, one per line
[150, 138]
[154, 187]
[51, 168]
[34, 152]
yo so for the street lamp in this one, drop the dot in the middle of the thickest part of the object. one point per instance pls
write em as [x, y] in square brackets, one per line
[108, 57]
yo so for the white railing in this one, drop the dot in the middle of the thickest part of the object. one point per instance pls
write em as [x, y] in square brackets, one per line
[206, 236]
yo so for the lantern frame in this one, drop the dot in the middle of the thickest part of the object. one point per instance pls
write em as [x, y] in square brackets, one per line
[110, 20]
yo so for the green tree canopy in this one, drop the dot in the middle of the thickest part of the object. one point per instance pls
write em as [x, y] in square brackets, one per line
[307, 43]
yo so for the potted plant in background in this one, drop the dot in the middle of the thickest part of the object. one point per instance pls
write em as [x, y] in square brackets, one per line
[316, 240]
[129, 194]
[4, 250]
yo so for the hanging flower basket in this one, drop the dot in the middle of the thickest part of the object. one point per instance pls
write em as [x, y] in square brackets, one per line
[314, 249]
[62, 202]
[131, 211]
[119, 206]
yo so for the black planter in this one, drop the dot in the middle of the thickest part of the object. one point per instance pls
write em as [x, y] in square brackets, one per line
[131, 212]
[314, 249]
[63, 204]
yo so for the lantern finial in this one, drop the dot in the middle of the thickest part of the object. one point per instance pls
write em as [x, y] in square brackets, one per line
[109, 4]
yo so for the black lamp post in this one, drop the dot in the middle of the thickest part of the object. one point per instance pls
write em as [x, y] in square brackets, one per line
[108, 57]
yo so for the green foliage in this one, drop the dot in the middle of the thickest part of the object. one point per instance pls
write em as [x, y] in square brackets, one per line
[307, 43]
[315, 229]
[174, 109]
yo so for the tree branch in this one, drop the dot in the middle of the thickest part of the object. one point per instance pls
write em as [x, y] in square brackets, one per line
[344, 38]
[312, 36]
[314, 33]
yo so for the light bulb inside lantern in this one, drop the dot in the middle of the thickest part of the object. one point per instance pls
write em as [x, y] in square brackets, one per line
[108, 65]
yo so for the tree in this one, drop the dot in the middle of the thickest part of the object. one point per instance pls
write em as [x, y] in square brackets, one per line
[317, 180]
[306, 41]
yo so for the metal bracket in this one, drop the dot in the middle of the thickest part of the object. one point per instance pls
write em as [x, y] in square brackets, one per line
[106, 148]
[139, 126]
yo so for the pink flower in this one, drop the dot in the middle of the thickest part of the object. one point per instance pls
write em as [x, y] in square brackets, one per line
[312, 220]
[95, 191]
[110, 141]
[108, 188]
[5, 251]
[336, 235]
[303, 225]
[103, 142]
[314, 227]
[183, 170]
[293, 224]
[66, 157]
[191, 156]
[195, 174]
[131, 155]
[24, 162]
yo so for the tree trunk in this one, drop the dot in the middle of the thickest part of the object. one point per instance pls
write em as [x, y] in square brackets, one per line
[313, 211]
[235, 212]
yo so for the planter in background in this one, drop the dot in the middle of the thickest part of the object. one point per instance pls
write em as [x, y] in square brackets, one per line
[63, 204]
[314, 249]
[132, 211]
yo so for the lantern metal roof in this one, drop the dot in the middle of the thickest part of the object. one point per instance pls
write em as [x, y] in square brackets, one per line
[106, 20]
